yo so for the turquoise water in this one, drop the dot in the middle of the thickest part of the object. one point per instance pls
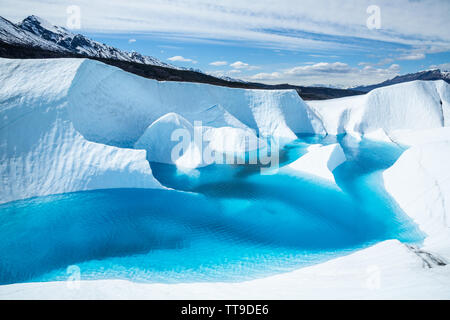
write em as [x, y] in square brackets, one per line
[222, 223]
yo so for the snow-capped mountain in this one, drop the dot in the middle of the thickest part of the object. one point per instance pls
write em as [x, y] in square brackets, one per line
[37, 32]
[13, 34]
[427, 75]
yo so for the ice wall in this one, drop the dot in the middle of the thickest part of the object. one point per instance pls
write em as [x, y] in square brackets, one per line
[419, 181]
[415, 105]
[71, 124]
[132, 103]
[40, 151]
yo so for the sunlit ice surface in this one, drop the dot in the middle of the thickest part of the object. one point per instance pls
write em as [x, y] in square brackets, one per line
[216, 223]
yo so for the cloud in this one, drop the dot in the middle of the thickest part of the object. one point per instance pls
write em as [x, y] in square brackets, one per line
[337, 73]
[267, 76]
[369, 70]
[242, 65]
[239, 65]
[181, 59]
[225, 73]
[165, 46]
[218, 63]
[382, 62]
[131, 40]
[385, 61]
[282, 23]
[322, 67]
[443, 66]
[413, 56]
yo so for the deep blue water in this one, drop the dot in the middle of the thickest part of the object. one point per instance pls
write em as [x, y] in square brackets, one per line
[227, 223]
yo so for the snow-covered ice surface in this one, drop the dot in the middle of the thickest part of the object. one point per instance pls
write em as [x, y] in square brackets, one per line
[71, 125]
[40, 150]
[420, 182]
[140, 102]
[388, 270]
[415, 105]
[320, 161]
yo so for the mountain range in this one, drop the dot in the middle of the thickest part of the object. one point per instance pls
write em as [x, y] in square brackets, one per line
[37, 32]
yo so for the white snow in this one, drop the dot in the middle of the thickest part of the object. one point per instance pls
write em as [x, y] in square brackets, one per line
[41, 152]
[378, 135]
[12, 34]
[319, 162]
[194, 146]
[415, 105]
[388, 270]
[140, 101]
[419, 137]
[419, 181]
[157, 137]
[45, 35]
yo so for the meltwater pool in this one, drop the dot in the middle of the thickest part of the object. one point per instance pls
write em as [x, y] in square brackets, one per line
[218, 223]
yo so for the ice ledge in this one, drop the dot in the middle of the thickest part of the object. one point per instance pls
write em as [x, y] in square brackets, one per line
[419, 182]
[318, 163]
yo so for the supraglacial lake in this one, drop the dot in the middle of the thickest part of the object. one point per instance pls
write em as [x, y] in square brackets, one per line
[218, 223]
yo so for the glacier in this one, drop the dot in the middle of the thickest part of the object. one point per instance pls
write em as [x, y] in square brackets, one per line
[70, 125]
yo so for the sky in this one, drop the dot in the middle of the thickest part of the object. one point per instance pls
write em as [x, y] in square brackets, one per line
[340, 43]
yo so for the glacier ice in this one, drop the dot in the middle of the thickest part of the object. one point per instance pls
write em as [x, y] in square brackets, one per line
[415, 105]
[41, 152]
[193, 145]
[131, 104]
[319, 162]
[71, 124]
[160, 131]
[419, 181]
[75, 124]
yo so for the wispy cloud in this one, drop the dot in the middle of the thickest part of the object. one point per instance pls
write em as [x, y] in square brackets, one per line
[131, 40]
[218, 63]
[442, 66]
[267, 76]
[239, 65]
[181, 59]
[283, 23]
[242, 65]
[322, 67]
[337, 73]
[413, 56]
